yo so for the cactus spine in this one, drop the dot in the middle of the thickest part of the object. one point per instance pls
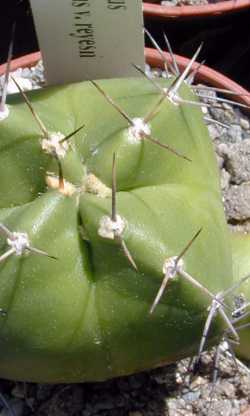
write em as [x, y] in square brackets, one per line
[113, 237]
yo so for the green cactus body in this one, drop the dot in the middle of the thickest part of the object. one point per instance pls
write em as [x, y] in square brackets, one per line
[241, 268]
[85, 315]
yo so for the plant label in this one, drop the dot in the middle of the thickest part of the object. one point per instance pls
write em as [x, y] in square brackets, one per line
[89, 39]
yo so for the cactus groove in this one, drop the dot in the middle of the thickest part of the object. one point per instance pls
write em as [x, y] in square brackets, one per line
[93, 205]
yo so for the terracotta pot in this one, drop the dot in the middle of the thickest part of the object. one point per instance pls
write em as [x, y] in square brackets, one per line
[205, 74]
[169, 12]
[25, 61]
[247, 412]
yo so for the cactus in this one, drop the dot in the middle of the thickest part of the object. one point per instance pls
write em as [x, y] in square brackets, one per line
[241, 267]
[113, 239]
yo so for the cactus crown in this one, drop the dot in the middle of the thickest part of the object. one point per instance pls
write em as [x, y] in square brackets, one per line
[110, 195]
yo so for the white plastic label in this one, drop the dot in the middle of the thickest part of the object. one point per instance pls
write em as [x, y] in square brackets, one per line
[89, 39]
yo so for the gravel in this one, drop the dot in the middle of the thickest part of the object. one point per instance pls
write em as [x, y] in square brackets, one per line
[170, 3]
[169, 390]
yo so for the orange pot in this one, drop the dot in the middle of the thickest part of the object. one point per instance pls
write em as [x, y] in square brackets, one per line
[184, 12]
[205, 74]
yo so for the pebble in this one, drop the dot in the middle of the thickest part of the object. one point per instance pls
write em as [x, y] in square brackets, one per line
[225, 179]
[235, 133]
[237, 202]
[156, 73]
[169, 3]
[183, 2]
[214, 131]
[198, 381]
[27, 78]
[204, 110]
[226, 389]
[220, 160]
[24, 83]
[222, 115]
[219, 408]
[244, 386]
[19, 391]
[191, 396]
[237, 158]
[244, 123]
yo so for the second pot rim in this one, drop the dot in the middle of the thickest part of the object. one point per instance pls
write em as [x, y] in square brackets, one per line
[159, 11]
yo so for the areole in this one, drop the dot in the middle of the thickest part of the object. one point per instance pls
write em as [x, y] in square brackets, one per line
[128, 242]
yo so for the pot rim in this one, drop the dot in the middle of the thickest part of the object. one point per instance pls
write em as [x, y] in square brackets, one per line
[205, 74]
[223, 7]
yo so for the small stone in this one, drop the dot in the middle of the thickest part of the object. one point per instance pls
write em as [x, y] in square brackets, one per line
[246, 134]
[226, 389]
[228, 107]
[204, 110]
[156, 72]
[192, 396]
[165, 75]
[19, 391]
[237, 202]
[224, 179]
[220, 408]
[220, 161]
[228, 116]
[179, 378]
[234, 133]
[244, 386]
[199, 381]
[24, 83]
[214, 131]
[244, 123]
[237, 157]
[26, 73]
[222, 149]
[169, 3]
[205, 93]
